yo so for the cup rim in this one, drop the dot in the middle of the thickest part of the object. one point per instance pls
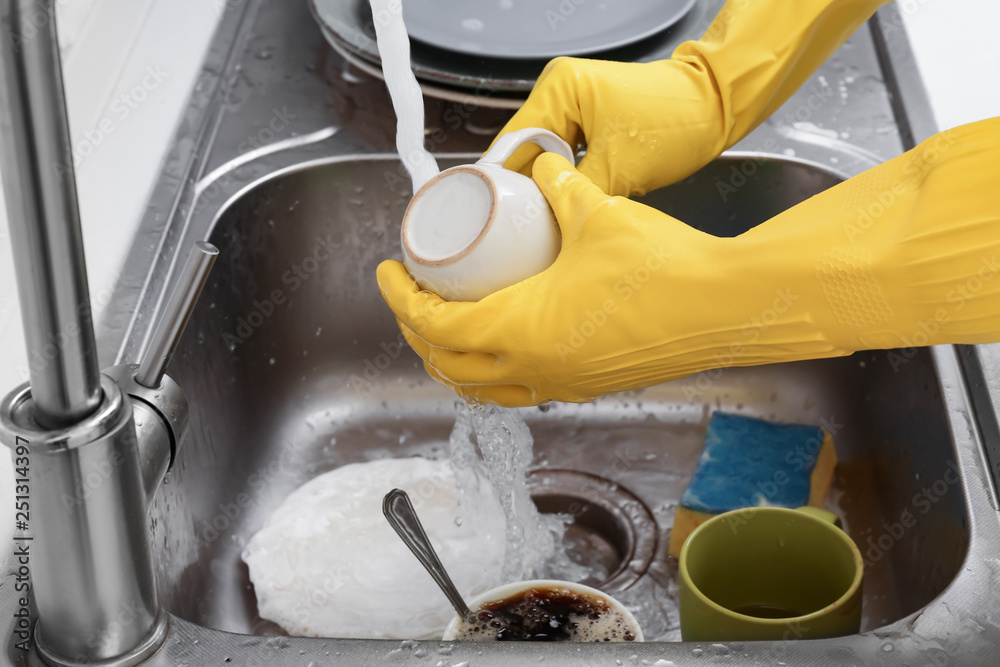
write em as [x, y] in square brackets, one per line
[419, 259]
[505, 590]
[715, 606]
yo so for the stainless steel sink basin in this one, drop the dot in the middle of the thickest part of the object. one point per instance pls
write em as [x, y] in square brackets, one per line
[293, 366]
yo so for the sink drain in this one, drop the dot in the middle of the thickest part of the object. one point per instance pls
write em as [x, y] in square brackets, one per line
[612, 529]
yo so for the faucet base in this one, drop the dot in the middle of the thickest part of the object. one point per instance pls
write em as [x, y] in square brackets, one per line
[84, 510]
[44, 658]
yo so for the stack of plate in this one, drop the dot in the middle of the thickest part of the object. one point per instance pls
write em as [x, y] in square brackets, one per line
[491, 51]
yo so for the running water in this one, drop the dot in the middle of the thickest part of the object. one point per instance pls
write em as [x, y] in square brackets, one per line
[533, 540]
[407, 100]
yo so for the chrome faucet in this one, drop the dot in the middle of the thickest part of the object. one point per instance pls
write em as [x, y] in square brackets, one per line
[90, 449]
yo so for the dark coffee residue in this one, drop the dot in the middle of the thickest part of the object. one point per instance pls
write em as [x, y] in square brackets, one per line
[541, 615]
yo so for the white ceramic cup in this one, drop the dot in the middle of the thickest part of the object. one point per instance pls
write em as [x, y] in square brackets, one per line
[475, 229]
[509, 590]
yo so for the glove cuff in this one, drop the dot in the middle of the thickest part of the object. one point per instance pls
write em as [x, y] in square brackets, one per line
[902, 255]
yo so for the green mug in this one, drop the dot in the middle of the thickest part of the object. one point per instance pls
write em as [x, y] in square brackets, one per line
[770, 573]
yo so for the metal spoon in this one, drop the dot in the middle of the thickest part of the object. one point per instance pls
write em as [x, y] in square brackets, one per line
[403, 518]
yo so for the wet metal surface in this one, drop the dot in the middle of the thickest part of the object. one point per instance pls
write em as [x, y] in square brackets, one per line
[292, 364]
[295, 367]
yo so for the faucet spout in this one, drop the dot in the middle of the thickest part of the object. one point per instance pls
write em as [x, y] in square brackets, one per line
[44, 217]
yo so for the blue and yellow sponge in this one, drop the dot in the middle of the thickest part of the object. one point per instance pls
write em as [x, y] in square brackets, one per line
[747, 462]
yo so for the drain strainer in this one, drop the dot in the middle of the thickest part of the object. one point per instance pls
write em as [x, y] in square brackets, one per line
[612, 529]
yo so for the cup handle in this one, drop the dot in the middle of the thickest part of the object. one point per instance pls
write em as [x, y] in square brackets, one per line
[510, 142]
[822, 515]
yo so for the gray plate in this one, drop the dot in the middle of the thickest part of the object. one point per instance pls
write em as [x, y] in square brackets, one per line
[528, 29]
[348, 25]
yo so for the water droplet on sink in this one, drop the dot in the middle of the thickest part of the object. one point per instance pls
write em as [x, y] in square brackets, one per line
[632, 131]
[782, 542]
[271, 361]
[459, 521]
[319, 330]
[264, 54]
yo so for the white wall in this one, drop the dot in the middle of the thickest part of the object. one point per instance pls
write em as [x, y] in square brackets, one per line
[958, 52]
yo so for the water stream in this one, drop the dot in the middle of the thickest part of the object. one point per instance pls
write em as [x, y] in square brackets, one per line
[501, 436]
[493, 442]
[407, 100]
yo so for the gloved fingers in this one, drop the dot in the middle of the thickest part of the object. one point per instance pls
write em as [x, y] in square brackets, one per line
[508, 396]
[571, 195]
[477, 376]
[524, 157]
[437, 377]
[464, 367]
[552, 105]
[439, 323]
[458, 368]
[505, 395]
[427, 353]
[592, 165]
[597, 169]
[415, 342]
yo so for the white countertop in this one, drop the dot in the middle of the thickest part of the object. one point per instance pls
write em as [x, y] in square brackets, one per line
[958, 53]
[955, 44]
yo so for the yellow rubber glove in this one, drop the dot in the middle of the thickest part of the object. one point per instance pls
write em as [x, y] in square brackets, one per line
[903, 255]
[647, 125]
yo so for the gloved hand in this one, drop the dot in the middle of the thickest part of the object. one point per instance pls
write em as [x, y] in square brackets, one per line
[904, 254]
[647, 125]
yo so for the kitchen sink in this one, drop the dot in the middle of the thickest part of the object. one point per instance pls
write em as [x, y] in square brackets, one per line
[293, 366]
